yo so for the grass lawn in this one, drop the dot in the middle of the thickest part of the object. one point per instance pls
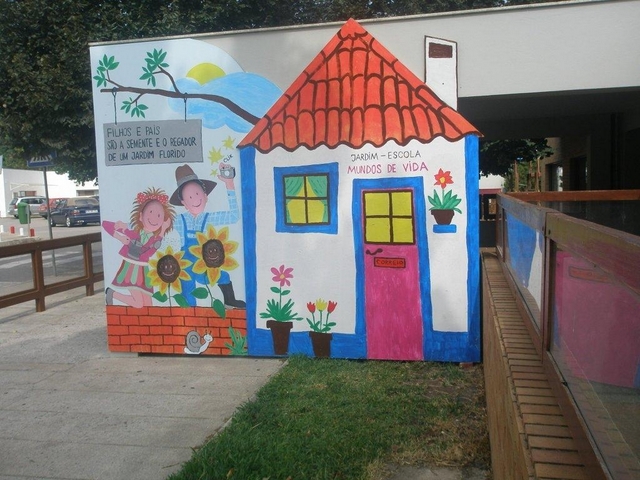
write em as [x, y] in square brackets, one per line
[342, 419]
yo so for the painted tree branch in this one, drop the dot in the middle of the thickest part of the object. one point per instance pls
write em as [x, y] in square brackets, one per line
[235, 108]
[156, 65]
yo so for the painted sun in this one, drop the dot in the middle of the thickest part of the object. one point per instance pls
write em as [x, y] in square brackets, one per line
[205, 72]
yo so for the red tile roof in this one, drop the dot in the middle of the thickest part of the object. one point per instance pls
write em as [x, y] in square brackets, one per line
[355, 92]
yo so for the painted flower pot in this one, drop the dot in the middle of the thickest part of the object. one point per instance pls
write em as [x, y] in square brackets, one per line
[321, 343]
[280, 332]
[443, 217]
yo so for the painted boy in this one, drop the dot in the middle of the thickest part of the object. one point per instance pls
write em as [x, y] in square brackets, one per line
[193, 193]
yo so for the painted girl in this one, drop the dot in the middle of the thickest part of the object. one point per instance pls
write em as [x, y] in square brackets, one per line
[151, 218]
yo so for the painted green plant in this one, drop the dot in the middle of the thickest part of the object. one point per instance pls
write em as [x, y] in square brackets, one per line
[213, 254]
[238, 345]
[447, 201]
[168, 270]
[105, 65]
[322, 325]
[276, 310]
[155, 64]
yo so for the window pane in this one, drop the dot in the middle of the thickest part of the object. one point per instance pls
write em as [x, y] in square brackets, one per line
[525, 261]
[401, 203]
[317, 211]
[376, 203]
[296, 211]
[293, 186]
[402, 230]
[377, 230]
[595, 345]
[317, 186]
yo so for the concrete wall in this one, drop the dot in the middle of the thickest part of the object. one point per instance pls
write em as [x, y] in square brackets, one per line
[578, 45]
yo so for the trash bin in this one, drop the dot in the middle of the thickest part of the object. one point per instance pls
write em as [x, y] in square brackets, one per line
[23, 212]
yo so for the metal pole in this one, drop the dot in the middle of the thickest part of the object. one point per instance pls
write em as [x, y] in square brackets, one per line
[46, 194]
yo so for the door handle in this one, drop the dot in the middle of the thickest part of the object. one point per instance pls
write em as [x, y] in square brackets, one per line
[379, 250]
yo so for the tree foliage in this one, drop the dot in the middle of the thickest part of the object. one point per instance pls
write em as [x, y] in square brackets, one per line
[497, 157]
[45, 75]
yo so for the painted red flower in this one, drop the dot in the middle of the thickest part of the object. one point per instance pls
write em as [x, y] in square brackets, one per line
[443, 178]
[332, 306]
[282, 275]
[311, 307]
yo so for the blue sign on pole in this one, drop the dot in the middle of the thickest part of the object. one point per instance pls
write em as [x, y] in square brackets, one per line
[46, 161]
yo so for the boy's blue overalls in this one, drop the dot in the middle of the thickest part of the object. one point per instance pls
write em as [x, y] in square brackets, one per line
[188, 286]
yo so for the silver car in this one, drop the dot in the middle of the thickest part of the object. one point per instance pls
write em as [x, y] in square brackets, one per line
[33, 202]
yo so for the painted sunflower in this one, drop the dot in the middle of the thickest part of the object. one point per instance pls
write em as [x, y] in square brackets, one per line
[213, 253]
[167, 270]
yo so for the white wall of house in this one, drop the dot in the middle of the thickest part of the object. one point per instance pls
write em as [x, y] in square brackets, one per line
[324, 265]
[20, 183]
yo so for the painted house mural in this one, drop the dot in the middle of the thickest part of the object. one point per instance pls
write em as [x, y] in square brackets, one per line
[354, 232]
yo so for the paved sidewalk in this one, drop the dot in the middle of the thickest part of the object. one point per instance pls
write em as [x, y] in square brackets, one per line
[69, 409]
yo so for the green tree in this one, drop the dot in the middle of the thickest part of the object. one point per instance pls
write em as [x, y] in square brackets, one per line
[497, 157]
[45, 85]
[45, 96]
[45, 75]
[527, 177]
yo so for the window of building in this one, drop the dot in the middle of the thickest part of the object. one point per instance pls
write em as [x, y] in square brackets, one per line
[306, 198]
[389, 217]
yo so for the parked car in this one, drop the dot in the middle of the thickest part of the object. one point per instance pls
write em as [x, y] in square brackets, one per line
[75, 211]
[33, 202]
[42, 210]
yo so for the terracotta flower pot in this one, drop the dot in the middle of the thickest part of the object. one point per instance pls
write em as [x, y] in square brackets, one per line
[280, 332]
[443, 217]
[321, 343]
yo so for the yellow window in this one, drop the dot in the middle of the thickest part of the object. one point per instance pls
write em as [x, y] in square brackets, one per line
[389, 217]
[376, 203]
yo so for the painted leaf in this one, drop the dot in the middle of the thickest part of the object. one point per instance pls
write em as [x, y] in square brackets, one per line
[161, 297]
[200, 293]
[180, 300]
[218, 307]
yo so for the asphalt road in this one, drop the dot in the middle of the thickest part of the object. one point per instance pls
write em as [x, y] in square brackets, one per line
[16, 273]
[41, 227]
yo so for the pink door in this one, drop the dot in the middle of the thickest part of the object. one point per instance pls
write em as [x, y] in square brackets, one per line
[393, 317]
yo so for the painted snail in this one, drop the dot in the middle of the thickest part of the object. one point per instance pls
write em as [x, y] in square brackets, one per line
[196, 344]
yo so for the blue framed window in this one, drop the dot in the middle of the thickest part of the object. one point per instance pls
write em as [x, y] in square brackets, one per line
[306, 198]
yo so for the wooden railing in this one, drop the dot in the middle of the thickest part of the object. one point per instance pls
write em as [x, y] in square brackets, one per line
[40, 289]
[578, 289]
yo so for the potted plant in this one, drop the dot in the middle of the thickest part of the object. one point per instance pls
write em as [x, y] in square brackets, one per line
[281, 316]
[320, 333]
[444, 207]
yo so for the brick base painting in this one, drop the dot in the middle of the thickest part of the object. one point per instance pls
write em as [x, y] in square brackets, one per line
[185, 331]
